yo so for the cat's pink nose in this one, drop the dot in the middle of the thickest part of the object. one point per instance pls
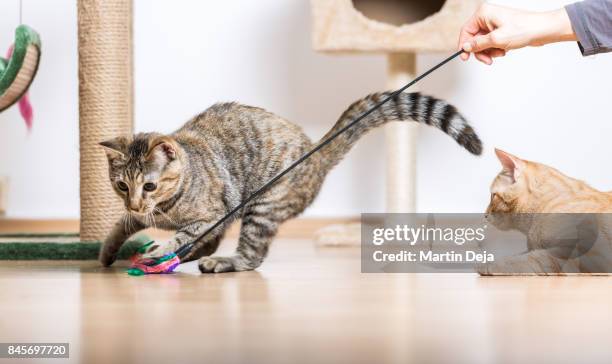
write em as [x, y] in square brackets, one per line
[134, 206]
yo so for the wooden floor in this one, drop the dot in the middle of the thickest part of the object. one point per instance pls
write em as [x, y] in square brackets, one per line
[305, 305]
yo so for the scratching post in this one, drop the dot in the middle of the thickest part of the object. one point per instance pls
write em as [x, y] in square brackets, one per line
[400, 29]
[400, 140]
[105, 104]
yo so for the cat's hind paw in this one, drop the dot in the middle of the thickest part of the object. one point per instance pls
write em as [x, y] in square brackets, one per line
[222, 264]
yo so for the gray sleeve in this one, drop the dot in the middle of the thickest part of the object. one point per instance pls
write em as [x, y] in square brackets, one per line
[592, 23]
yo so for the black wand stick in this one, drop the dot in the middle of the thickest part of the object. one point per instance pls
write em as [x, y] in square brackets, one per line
[185, 249]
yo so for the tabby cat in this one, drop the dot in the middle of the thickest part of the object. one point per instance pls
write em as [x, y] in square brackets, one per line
[189, 179]
[542, 202]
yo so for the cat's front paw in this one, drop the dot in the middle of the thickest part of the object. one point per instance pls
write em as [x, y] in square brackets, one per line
[222, 264]
[495, 269]
[483, 269]
[107, 258]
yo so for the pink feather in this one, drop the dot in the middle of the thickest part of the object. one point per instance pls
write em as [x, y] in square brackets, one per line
[25, 107]
[26, 110]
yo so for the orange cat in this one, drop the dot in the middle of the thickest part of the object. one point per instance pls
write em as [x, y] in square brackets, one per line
[546, 205]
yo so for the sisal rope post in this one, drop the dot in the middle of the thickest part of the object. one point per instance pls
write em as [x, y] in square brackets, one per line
[400, 141]
[105, 105]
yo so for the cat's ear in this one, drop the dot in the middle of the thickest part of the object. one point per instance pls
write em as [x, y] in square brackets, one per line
[116, 147]
[512, 166]
[162, 148]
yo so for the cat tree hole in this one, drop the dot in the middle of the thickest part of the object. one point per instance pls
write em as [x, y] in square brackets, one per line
[398, 12]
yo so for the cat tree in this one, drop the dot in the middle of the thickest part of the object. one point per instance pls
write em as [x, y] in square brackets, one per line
[400, 29]
[105, 105]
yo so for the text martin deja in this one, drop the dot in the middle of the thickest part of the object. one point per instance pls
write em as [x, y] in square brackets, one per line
[409, 235]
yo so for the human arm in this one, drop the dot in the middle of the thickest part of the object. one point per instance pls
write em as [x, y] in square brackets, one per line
[493, 30]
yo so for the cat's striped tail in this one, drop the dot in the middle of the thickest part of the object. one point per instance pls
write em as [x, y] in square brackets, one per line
[404, 107]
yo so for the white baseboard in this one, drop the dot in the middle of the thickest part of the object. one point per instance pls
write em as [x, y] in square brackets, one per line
[296, 228]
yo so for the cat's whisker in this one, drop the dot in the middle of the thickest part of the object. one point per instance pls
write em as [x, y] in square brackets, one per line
[152, 219]
[130, 220]
[127, 221]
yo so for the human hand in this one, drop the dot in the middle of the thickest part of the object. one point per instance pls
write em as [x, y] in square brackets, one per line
[493, 30]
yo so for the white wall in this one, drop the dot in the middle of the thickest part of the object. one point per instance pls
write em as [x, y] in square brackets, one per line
[548, 104]
[43, 166]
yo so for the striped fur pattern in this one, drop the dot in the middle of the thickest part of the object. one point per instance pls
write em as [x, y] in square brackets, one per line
[407, 106]
[188, 180]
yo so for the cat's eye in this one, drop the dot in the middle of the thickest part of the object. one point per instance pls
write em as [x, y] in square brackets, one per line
[499, 200]
[149, 186]
[122, 186]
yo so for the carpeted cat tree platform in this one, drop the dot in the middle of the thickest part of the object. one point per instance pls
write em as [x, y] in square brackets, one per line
[400, 29]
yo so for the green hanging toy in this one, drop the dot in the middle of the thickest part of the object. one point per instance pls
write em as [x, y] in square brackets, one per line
[17, 71]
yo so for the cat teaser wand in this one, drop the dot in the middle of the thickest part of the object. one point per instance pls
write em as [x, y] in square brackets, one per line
[169, 262]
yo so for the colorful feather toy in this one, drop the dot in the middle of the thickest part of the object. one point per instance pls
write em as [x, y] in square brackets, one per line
[165, 264]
